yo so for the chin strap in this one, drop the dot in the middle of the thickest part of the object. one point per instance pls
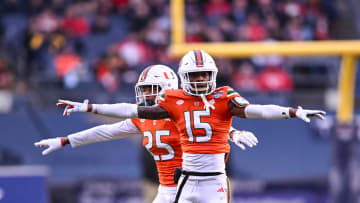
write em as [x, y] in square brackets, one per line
[206, 103]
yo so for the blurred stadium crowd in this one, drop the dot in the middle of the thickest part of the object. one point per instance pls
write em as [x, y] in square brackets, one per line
[105, 43]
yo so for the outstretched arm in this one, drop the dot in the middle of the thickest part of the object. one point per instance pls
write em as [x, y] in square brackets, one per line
[152, 112]
[273, 112]
[119, 110]
[100, 133]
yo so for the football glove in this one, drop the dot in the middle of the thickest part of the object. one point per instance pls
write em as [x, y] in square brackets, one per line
[71, 107]
[52, 144]
[242, 138]
[305, 114]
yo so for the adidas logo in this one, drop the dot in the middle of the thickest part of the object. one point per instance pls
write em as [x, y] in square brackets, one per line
[221, 190]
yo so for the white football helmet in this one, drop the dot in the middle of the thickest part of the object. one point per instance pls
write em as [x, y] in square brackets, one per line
[197, 61]
[159, 78]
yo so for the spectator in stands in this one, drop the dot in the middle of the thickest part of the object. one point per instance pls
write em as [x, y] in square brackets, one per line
[244, 77]
[273, 28]
[214, 35]
[47, 21]
[224, 71]
[6, 74]
[105, 8]
[58, 7]
[71, 68]
[35, 7]
[226, 27]
[252, 30]
[312, 11]
[257, 31]
[274, 79]
[112, 72]
[195, 31]
[290, 9]
[239, 11]
[133, 50]
[265, 8]
[120, 6]
[321, 30]
[157, 37]
[215, 10]
[139, 14]
[295, 30]
[106, 76]
[74, 22]
[100, 25]
[6, 87]
[9, 7]
[157, 32]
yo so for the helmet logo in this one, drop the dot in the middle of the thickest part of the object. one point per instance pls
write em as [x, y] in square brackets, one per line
[166, 76]
[198, 58]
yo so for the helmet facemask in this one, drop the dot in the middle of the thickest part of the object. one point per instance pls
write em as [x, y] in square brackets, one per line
[147, 94]
[196, 88]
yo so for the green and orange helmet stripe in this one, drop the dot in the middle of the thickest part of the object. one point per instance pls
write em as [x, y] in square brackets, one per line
[144, 73]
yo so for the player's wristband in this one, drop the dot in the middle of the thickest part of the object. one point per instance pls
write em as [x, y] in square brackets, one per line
[89, 108]
[292, 112]
[231, 132]
[64, 141]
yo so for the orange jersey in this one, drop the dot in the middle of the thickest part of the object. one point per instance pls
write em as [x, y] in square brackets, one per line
[201, 131]
[162, 140]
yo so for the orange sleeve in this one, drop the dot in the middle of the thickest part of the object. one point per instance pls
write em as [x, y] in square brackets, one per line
[135, 121]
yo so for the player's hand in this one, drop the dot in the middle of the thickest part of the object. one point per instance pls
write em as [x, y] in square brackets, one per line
[71, 107]
[305, 114]
[52, 144]
[242, 138]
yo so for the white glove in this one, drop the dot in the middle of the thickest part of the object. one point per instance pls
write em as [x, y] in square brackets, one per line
[305, 114]
[73, 106]
[242, 138]
[52, 144]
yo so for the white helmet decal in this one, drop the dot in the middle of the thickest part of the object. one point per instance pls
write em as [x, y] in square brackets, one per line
[197, 61]
[159, 78]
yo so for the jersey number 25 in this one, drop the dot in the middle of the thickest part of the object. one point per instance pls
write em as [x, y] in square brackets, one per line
[159, 145]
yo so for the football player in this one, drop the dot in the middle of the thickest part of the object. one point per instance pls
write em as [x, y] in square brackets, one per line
[160, 137]
[203, 115]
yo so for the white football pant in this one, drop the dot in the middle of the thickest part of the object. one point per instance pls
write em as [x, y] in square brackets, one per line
[165, 195]
[209, 189]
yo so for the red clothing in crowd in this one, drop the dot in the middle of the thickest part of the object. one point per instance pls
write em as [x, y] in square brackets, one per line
[274, 79]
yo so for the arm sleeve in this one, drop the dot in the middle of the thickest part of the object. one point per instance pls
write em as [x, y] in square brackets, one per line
[120, 110]
[270, 112]
[104, 133]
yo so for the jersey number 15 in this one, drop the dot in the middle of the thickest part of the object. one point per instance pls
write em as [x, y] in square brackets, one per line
[197, 124]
